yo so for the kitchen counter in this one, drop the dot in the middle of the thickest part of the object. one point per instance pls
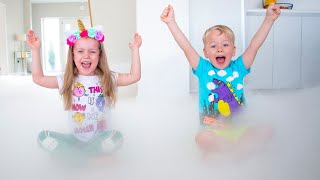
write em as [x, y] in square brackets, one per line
[285, 12]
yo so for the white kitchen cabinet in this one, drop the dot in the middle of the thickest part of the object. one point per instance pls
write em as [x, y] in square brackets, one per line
[287, 52]
[289, 56]
[310, 66]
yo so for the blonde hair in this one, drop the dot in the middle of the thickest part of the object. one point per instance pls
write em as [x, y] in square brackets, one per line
[222, 29]
[102, 71]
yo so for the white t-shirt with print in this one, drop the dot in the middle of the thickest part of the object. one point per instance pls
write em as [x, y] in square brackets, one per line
[90, 112]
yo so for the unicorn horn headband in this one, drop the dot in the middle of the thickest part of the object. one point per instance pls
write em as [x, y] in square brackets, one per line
[92, 32]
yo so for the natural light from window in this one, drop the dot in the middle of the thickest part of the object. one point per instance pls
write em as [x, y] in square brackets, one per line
[51, 45]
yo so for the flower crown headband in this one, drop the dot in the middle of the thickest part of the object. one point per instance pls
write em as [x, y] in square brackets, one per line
[93, 32]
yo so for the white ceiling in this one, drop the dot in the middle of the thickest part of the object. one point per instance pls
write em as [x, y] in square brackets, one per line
[55, 1]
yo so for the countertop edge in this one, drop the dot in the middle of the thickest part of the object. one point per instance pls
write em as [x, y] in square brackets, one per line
[284, 12]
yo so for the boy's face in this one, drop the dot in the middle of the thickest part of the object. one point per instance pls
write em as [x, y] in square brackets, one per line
[219, 49]
[86, 56]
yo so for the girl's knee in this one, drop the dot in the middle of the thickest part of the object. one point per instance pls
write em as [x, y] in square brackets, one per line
[112, 142]
[42, 135]
[46, 142]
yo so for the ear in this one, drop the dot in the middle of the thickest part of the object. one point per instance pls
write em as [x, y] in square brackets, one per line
[234, 51]
[205, 53]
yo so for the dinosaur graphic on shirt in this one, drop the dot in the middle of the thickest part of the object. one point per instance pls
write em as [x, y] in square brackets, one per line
[225, 98]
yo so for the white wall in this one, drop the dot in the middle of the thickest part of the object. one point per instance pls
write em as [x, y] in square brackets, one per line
[3, 41]
[253, 4]
[118, 19]
[164, 66]
[14, 19]
[27, 17]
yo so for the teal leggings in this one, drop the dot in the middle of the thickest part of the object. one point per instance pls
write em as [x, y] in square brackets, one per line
[67, 145]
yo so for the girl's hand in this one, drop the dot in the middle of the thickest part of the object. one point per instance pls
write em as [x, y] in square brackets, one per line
[137, 41]
[273, 11]
[33, 40]
[167, 15]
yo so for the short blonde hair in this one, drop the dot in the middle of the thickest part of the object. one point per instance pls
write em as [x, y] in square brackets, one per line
[222, 29]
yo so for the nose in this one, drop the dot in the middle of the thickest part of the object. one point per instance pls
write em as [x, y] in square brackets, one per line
[219, 48]
[86, 54]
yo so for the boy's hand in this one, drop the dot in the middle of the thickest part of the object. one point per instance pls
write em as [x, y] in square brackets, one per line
[33, 40]
[273, 11]
[167, 15]
[137, 41]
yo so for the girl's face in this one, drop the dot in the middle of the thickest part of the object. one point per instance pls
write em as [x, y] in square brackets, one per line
[219, 49]
[86, 54]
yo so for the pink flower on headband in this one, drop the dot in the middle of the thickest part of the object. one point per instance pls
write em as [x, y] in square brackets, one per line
[84, 33]
[71, 40]
[99, 36]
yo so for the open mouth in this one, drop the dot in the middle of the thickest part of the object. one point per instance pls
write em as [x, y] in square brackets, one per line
[86, 64]
[221, 59]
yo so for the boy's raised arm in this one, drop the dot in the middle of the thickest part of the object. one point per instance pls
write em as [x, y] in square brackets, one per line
[167, 17]
[273, 12]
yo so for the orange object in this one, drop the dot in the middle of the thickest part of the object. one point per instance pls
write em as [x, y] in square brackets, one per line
[209, 121]
[212, 121]
[268, 2]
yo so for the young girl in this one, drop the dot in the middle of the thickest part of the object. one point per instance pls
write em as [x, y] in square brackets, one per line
[88, 88]
[221, 95]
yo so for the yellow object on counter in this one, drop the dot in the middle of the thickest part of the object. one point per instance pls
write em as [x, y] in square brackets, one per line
[267, 2]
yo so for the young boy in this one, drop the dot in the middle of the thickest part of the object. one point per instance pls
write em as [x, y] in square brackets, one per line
[221, 94]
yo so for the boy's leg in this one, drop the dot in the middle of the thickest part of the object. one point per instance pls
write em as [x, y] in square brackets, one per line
[210, 142]
[253, 139]
[215, 142]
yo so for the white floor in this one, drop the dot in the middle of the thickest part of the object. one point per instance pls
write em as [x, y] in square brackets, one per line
[159, 133]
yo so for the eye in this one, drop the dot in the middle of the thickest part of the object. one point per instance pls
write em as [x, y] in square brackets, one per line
[213, 46]
[93, 52]
[226, 45]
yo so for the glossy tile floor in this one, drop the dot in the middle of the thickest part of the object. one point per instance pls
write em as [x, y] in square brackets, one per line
[159, 137]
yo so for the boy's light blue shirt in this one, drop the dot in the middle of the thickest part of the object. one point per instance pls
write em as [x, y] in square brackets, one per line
[220, 91]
